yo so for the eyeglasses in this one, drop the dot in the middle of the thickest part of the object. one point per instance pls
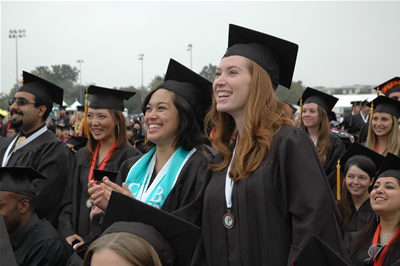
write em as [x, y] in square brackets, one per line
[373, 252]
[20, 102]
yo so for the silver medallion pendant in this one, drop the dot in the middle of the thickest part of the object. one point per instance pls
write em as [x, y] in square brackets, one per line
[228, 220]
[89, 203]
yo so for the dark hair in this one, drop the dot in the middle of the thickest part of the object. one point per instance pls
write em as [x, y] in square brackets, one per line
[392, 254]
[189, 135]
[122, 139]
[49, 105]
[346, 204]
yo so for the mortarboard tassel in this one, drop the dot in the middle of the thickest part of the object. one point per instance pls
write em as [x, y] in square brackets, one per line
[86, 129]
[338, 179]
[301, 109]
[377, 91]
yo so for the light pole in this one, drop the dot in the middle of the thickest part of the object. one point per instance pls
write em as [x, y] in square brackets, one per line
[190, 50]
[80, 61]
[141, 58]
[16, 34]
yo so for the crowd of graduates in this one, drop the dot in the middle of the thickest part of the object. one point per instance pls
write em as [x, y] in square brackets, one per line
[214, 174]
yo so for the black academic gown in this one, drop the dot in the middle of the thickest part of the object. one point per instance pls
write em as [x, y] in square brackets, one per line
[346, 121]
[186, 197]
[276, 209]
[335, 152]
[53, 159]
[362, 137]
[356, 123]
[361, 217]
[38, 243]
[74, 218]
[6, 252]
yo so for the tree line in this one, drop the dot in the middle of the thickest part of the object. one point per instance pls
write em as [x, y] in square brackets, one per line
[67, 77]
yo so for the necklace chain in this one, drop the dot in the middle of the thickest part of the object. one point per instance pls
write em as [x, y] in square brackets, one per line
[387, 238]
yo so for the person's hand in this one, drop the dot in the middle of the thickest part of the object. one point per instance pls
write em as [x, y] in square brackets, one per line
[96, 192]
[73, 238]
[109, 186]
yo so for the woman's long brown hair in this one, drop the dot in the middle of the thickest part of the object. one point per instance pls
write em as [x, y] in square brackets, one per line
[264, 116]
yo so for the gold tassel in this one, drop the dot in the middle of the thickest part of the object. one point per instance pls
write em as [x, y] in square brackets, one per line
[338, 179]
[86, 129]
[377, 91]
[145, 138]
[301, 109]
[372, 111]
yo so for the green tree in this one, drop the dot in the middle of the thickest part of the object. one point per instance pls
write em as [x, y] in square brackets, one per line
[155, 82]
[134, 103]
[290, 96]
[208, 72]
[62, 75]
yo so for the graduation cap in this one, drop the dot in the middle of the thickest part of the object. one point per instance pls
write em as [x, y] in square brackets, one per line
[41, 88]
[19, 180]
[62, 107]
[354, 103]
[99, 174]
[390, 167]
[180, 234]
[317, 252]
[324, 100]
[392, 85]
[360, 152]
[274, 55]
[81, 108]
[344, 137]
[77, 142]
[383, 104]
[104, 98]
[193, 88]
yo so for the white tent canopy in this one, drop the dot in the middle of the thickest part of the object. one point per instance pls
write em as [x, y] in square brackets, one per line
[345, 101]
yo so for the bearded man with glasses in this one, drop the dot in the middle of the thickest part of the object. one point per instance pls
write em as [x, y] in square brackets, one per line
[36, 146]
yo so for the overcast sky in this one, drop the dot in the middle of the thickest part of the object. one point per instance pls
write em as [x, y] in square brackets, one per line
[340, 43]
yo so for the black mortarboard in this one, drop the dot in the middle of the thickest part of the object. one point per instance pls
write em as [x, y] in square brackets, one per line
[193, 88]
[164, 250]
[324, 100]
[274, 55]
[353, 103]
[41, 88]
[19, 180]
[77, 142]
[99, 174]
[383, 104]
[104, 98]
[180, 234]
[317, 252]
[360, 152]
[81, 108]
[344, 137]
[390, 167]
[62, 107]
[392, 85]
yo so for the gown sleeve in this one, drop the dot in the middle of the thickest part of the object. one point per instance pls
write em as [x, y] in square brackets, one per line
[311, 208]
[336, 151]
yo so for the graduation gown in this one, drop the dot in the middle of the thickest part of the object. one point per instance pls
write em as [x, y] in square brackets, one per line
[38, 243]
[356, 123]
[362, 137]
[335, 152]
[186, 197]
[361, 217]
[276, 209]
[74, 218]
[346, 121]
[52, 158]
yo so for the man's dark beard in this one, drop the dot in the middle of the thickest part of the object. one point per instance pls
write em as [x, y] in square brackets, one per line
[16, 124]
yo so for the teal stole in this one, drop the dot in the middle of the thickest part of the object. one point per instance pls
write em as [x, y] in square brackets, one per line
[141, 172]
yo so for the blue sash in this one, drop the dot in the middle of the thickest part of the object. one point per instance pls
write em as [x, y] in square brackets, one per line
[140, 174]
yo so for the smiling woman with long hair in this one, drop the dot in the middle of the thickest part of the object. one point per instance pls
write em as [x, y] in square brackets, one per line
[267, 195]
[359, 165]
[383, 131]
[106, 149]
[379, 243]
[173, 174]
[315, 106]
